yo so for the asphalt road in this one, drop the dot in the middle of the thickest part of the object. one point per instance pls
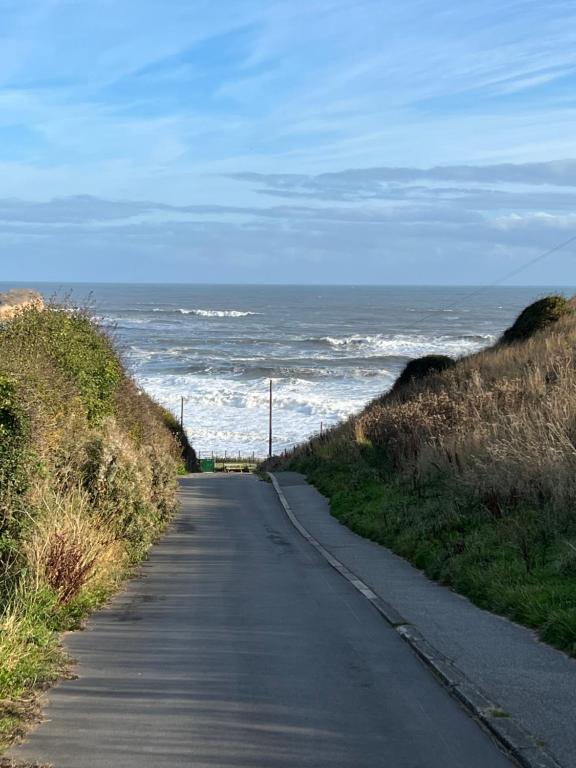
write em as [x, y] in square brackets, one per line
[238, 647]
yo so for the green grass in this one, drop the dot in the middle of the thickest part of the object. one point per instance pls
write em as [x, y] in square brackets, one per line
[510, 564]
[499, 713]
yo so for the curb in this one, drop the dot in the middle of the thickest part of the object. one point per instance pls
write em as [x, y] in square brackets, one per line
[510, 735]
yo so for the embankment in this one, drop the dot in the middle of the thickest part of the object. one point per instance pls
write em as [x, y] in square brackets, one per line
[468, 469]
[88, 466]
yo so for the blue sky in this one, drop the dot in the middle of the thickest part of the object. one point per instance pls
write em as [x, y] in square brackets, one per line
[287, 140]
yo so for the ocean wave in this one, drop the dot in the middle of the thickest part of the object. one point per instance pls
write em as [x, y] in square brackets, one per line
[296, 372]
[207, 312]
[121, 323]
[252, 372]
[404, 345]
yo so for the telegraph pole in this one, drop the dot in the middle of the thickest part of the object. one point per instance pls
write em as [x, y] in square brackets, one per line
[182, 412]
[270, 424]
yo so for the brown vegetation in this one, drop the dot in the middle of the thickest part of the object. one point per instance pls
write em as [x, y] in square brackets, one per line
[502, 422]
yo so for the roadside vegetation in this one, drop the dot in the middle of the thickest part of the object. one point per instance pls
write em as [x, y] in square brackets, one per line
[468, 469]
[88, 466]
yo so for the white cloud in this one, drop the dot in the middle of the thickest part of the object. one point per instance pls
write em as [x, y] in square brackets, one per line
[454, 115]
[393, 241]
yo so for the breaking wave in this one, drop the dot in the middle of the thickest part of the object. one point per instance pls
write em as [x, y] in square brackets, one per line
[207, 312]
[404, 345]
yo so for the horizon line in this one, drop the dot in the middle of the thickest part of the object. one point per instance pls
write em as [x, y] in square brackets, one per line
[286, 285]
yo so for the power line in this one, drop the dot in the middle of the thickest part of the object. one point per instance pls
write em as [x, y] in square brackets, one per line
[507, 276]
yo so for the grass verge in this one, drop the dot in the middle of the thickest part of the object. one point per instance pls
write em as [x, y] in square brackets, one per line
[507, 563]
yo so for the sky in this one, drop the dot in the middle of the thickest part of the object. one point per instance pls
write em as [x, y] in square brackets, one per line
[287, 141]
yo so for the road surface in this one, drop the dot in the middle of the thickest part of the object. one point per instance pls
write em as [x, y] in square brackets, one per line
[239, 647]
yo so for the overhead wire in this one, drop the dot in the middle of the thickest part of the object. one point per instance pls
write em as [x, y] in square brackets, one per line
[512, 273]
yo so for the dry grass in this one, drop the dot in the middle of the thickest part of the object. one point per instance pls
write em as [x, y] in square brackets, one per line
[9, 763]
[502, 423]
[68, 548]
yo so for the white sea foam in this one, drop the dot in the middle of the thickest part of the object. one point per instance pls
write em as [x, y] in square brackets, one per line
[404, 345]
[226, 414]
[208, 312]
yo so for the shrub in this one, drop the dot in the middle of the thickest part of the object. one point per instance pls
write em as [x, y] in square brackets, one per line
[418, 369]
[70, 342]
[189, 457]
[539, 315]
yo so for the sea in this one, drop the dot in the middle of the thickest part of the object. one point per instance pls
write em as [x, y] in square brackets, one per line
[328, 350]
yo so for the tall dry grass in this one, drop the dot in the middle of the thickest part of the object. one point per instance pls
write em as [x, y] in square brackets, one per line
[67, 547]
[502, 423]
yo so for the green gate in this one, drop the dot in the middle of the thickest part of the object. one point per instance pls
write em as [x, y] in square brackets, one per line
[206, 465]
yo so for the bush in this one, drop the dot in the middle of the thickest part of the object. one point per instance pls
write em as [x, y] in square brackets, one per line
[418, 369]
[536, 317]
[71, 343]
[189, 457]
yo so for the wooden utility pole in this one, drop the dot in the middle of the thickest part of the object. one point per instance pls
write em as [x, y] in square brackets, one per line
[182, 412]
[270, 424]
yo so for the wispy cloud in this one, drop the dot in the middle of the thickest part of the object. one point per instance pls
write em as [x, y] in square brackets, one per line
[362, 183]
[243, 125]
[429, 232]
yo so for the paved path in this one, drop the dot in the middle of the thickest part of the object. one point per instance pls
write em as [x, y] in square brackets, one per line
[530, 680]
[239, 646]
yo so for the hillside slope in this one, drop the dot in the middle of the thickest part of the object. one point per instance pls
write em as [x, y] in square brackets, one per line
[469, 471]
[88, 468]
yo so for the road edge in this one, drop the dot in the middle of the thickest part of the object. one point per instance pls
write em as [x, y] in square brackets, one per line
[509, 734]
